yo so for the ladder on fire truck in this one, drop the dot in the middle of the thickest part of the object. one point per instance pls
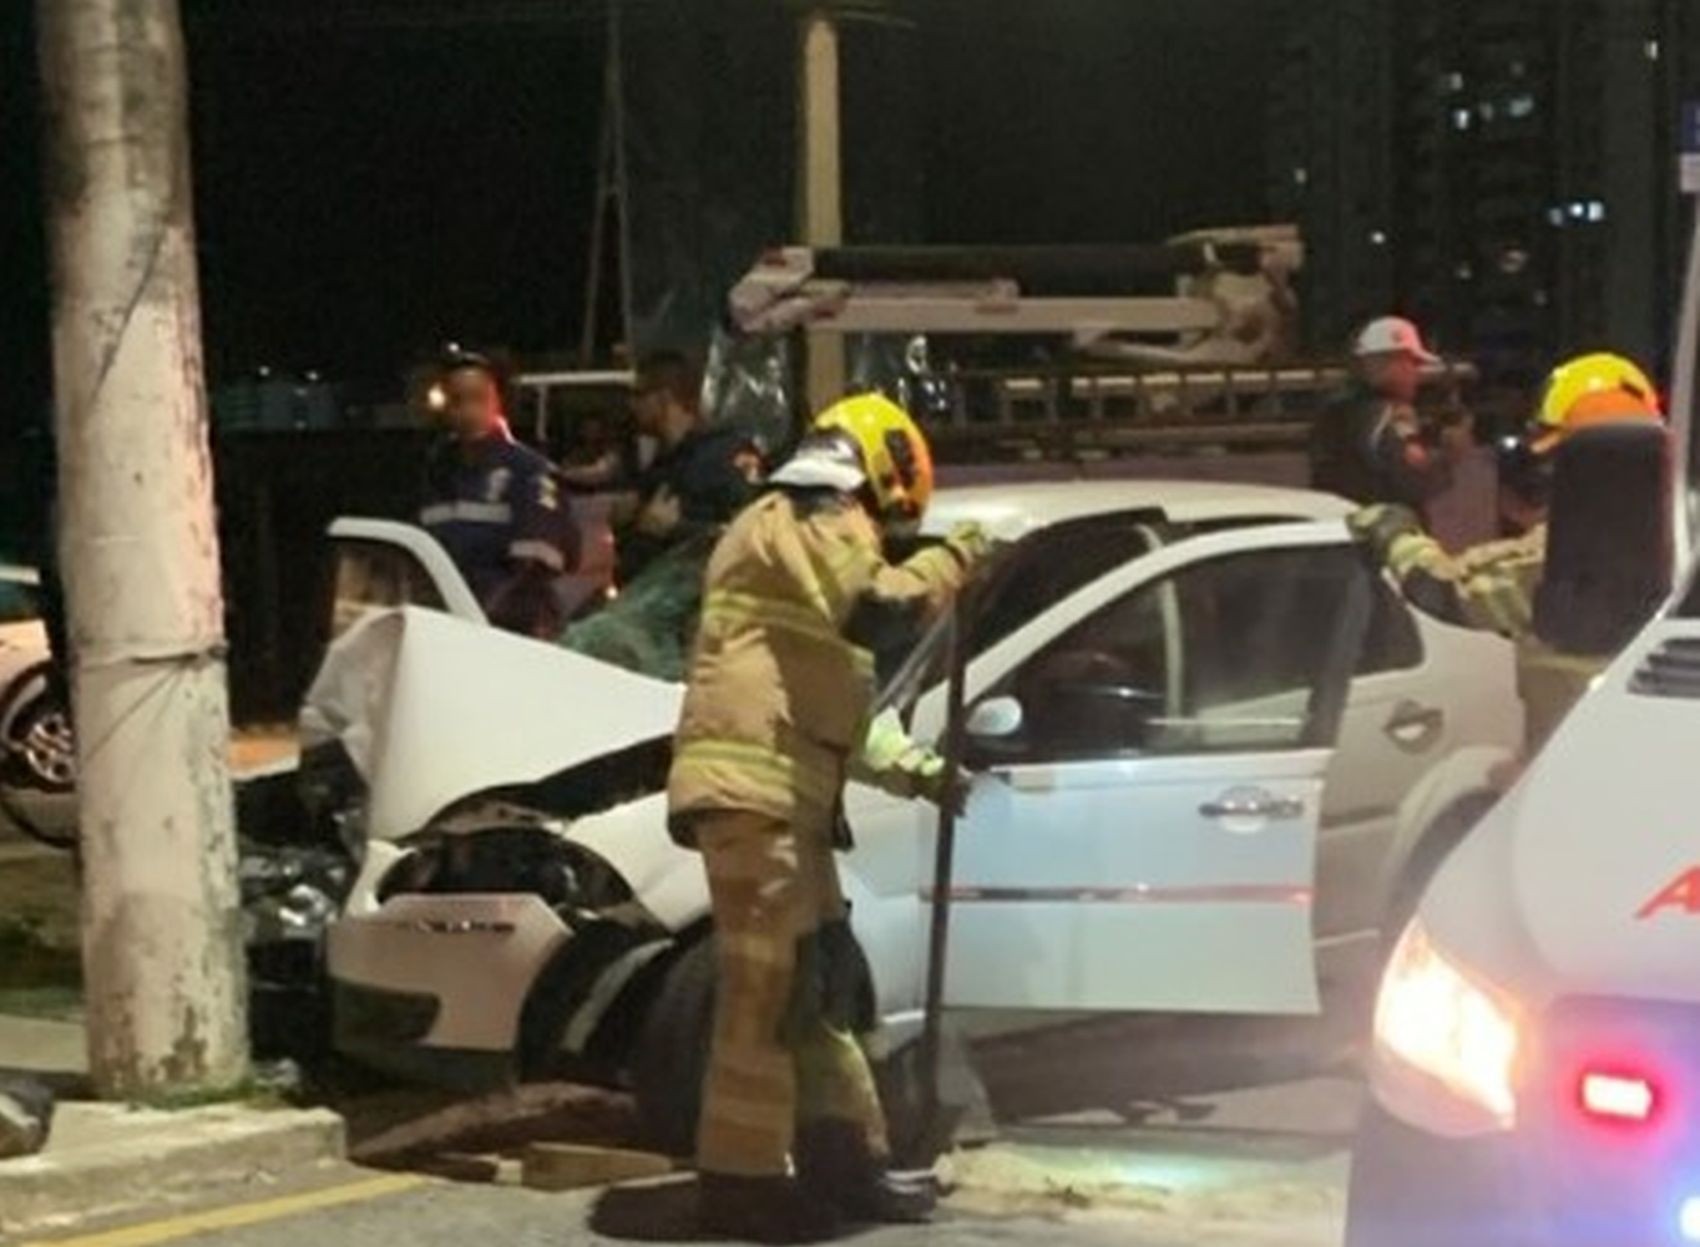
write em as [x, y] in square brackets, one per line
[1206, 363]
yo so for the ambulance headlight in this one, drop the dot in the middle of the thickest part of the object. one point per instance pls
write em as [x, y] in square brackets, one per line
[1453, 1027]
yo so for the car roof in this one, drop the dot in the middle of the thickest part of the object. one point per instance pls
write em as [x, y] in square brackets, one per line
[1013, 507]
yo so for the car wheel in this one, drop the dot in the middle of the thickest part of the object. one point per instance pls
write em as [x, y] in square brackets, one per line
[671, 1056]
[43, 746]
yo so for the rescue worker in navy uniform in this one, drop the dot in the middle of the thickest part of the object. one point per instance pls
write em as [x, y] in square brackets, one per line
[1594, 562]
[702, 475]
[776, 714]
[496, 506]
[1369, 445]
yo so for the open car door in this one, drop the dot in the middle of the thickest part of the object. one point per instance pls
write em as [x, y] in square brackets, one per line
[1150, 755]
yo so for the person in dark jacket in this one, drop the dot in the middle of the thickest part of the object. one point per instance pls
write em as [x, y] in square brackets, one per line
[701, 476]
[1369, 446]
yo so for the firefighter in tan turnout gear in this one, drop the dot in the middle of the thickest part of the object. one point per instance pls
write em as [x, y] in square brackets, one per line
[1589, 571]
[792, 1139]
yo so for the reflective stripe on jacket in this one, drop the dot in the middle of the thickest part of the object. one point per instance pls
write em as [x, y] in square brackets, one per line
[778, 696]
[1488, 587]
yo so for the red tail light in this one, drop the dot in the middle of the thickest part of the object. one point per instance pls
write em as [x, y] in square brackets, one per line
[1618, 1097]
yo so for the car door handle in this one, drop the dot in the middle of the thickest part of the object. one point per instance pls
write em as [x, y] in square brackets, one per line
[1415, 727]
[1250, 805]
[1028, 778]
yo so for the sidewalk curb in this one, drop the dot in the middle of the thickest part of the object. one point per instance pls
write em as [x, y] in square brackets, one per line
[185, 1153]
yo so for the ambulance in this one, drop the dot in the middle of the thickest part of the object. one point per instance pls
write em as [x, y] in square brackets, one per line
[1535, 1066]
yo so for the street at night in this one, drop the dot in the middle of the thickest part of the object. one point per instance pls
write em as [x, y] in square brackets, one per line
[785, 621]
[1263, 1167]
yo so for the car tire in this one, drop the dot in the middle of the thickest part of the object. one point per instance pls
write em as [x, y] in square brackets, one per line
[671, 1055]
[42, 750]
[38, 765]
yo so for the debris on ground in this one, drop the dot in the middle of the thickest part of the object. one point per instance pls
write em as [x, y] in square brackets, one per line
[1005, 1181]
[571, 1167]
[1017, 1181]
[26, 1117]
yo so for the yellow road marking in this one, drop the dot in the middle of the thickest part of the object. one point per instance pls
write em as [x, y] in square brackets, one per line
[171, 1229]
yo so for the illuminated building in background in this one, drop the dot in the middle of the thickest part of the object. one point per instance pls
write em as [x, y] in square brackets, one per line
[1529, 169]
[1329, 163]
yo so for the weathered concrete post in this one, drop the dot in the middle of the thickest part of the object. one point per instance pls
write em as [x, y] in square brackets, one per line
[162, 946]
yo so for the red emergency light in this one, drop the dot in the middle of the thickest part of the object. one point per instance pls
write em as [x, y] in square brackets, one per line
[1617, 1096]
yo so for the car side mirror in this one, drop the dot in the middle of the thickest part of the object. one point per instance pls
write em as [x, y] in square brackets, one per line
[995, 720]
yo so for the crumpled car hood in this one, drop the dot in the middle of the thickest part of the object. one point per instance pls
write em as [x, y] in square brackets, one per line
[432, 710]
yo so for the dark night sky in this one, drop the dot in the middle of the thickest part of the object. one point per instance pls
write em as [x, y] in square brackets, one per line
[1096, 120]
[363, 194]
[23, 266]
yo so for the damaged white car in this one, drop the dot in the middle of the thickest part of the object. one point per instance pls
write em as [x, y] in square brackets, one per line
[1214, 756]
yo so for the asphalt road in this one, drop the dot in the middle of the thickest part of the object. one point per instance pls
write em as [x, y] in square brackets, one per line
[454, 1216]
[450, 1216]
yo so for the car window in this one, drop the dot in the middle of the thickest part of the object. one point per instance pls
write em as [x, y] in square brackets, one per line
[1052, 564]
[1221, 656]
[1392, 642]
[1040, 571]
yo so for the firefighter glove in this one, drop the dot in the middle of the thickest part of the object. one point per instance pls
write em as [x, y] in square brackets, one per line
[899, 764]
[970, 543]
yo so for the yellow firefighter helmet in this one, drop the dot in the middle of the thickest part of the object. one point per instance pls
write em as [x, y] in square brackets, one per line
[896, 459]
[1591, 389]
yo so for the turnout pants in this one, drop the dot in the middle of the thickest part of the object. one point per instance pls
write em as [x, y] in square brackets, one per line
[773, 1063]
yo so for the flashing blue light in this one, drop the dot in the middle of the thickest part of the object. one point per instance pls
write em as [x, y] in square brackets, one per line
[1688, 1220]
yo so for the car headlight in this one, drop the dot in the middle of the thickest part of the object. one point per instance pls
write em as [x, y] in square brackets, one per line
[1433, 1017]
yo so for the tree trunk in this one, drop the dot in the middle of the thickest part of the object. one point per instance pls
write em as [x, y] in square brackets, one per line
[162, 947]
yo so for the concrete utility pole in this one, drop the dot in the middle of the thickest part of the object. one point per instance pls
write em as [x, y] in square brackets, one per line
[820, 198]
[162, 947]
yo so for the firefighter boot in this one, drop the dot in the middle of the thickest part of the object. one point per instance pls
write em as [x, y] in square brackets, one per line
[770, 1210]
[835, 1164]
